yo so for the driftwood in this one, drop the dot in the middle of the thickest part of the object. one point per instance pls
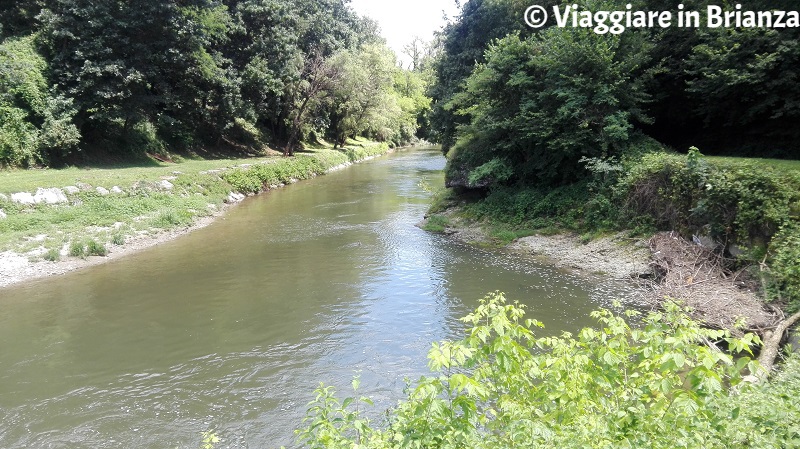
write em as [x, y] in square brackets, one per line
[700, 278]
[772, 344]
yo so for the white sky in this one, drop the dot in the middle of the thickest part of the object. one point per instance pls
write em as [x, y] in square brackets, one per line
[401, 20]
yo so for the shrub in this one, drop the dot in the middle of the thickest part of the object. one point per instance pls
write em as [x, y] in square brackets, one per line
[93, 248]
[77, 249]
[655, 385]
[52, 255]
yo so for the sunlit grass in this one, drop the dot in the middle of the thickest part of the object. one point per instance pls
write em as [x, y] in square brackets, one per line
[199, 188]
[777, 164]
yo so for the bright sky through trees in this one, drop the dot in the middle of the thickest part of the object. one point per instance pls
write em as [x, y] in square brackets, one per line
[401, 21]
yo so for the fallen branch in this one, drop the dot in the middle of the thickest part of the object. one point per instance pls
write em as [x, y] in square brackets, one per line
[772, 342]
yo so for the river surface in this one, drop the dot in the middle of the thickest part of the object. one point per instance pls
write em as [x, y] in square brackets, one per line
[230, 328]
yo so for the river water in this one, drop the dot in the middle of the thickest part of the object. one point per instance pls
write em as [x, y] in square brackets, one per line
[230, 328]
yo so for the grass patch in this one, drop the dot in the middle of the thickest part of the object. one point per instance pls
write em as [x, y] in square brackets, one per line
[171, 218]
[303, 166]
[52, 255]
[436, 223]
[77, 249]
[118, 239]
[773, 164]
[198, 188]
[503, 236]
[93, 248]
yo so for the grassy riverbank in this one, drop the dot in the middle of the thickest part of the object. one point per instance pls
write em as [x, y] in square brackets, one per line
[52, 215]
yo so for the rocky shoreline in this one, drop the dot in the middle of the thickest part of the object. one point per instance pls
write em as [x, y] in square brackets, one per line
[616, 256]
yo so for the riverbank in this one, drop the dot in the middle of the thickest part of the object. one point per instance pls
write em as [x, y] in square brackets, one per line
[725, 231]
[56, 221]
[617, 256]
[662, 265]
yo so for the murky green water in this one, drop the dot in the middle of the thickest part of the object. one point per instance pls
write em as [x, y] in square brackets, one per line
[231, 327]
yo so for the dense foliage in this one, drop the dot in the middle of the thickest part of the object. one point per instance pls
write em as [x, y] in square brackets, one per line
[537, 106]
[738, 203]
[463, 44]
[112, 78]
[565, 128]
[33, 121]
[661, 384]
[523, 106]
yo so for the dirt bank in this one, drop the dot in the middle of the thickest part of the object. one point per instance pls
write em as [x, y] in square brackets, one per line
[616, 256]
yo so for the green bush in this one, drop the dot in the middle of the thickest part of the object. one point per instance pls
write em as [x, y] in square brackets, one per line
[543, 101]
[533, 207]
[765, 416]
[52, 255]
[93, 248]
[34, 123]
[658, 384]
[735, 200]
[785, 265]
[77, 249]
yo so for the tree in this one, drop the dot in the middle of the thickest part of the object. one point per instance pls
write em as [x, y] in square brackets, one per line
[18, 17]
[416, 51]
[148, 76]
[363, 99]
[463, 45]
[35, 125]
[318, 78]
[538, 105]
[744, 85]
[134, 66]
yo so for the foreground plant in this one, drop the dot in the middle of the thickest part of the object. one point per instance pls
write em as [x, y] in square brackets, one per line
[662, 383]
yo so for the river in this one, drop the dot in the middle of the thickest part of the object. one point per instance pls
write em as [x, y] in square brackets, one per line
[230, 328]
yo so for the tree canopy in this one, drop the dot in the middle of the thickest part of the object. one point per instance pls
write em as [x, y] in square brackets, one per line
[514, 105]
[115, 78]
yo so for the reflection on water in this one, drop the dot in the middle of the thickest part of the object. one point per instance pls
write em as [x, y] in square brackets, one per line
[232, 327]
